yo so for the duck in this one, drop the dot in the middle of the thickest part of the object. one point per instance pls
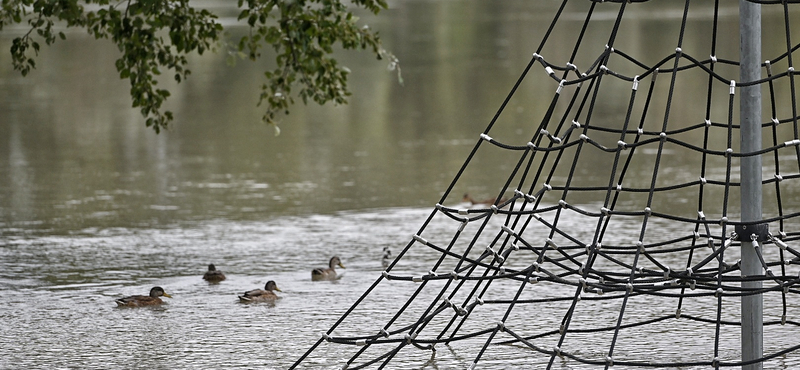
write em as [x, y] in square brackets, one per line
[261, 295]
[213, 275]
[144, 300]
[468, 199]
[322, 273]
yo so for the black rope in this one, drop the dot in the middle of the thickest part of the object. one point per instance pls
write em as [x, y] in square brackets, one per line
[500, 255]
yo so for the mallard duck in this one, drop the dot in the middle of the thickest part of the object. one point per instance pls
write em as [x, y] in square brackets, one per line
[144, 300]
[322, 273]
[261, 295]
[213, 275]
[468, 199]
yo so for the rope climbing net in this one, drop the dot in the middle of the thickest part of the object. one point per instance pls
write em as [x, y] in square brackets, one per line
[601, 254]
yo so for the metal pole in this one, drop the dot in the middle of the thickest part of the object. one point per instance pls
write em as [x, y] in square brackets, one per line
[750, 116]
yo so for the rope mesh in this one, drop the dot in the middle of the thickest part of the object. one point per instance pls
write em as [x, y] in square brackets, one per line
[569, 267]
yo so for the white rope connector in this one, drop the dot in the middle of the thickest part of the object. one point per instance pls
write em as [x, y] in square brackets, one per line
[551, 243]
[411, 337]
[549, 70]
[420, 239]
[417, 279]
[678, 51]
[710, 242]
[560, 86]
[508, 230]
[723, 220]
[326, 337]
[603, 69]
[605, 210]
[689, 271]
[572, 66]
[584, 137]
[775, 121]
[629, 287]
[563, 203]
[533, 279]
[790, 70]
[729, 152]
[640, 246]
[667, 272]
[635, 83]
[547, 187]
[640, 131]
[791, 143]
[454, 275]
[718, 292]
[733, 87]
[536, 56]
[619, 187]
[384, 333]
[515, 246]
[494, 209]
[576, 124]
[701, 215]
[609, 361]
[486, 137]
[703, 180]
[713, 59]
[780, 244]
[662, 135]
[479, 300]
[463, 225]
[708, 122]
[360, 342]
[463, 211]
[385, 274]
[531, 145]
[621, 144]
[556, 139]
[647, 211]
[501, 325]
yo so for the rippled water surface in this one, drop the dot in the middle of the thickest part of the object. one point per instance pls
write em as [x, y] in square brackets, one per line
[94, 206]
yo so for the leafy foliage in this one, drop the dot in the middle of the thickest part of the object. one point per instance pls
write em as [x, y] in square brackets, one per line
[156, 36]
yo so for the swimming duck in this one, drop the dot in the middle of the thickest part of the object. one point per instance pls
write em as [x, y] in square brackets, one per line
[213, 275]
[468, 199]
[322, 273]
[144, 300]
[261, 295]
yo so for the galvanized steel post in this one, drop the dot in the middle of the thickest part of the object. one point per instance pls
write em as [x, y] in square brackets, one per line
[750, 120]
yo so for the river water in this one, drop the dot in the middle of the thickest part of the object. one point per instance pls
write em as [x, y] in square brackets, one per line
[94, 206]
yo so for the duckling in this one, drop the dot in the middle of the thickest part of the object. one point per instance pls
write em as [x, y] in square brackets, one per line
[468, 199]
[329, 273]
[143, 300]
[261, 295]
[213, 275]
